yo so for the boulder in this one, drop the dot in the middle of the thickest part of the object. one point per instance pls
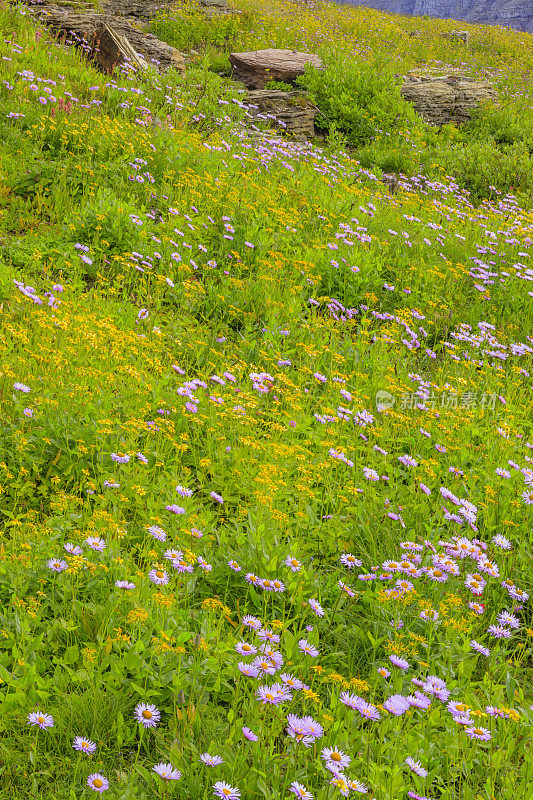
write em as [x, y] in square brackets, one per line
[84, 30]
[257, 68]
[113, 50]
[290, 112]
[447, 98]
[457, 36]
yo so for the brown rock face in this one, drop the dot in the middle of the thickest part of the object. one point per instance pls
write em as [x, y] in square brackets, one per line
[85, 29]
[257, 68]
[112, 50]
[292, 109]
[448, 98]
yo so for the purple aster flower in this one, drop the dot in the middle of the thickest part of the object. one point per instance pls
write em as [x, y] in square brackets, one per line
[157, 532]
[293, 564]
[300, 791]
[416, 766]
[147, 715]
[216, 497]
[408, 461]
[40, 719]
[335, 760]
[183, 491]
[479, 648]
[250, 670]
[478, 733]
[307, 648]
[225, 791]
[73, 549]
[57, 564]
[84, 745]
[273, 695]
[175, 509]
[437, 687]
[167, 772]
[21, 387]
[95, 543]
[350, 561]
[251, 622]
[159, 577]
[397, 704]
[499, 632]
[368, 711]
[120, 458]
[317, 608]
[125, 585]
[211, 761]
[249, 734]
[399, 662]
[505, 618]
[97, 782]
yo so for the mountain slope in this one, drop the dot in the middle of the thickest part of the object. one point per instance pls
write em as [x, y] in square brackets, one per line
[511, 14]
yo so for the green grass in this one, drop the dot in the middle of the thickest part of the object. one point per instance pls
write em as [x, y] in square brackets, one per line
[237, 318]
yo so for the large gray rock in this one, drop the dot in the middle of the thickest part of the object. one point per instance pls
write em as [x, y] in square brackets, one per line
[509, 13]
[138, 9]
[292, 109]
[447, 98]
[80, 29]
[257, 68]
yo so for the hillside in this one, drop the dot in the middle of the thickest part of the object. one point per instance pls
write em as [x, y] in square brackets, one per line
[509, 13]
[266, 475]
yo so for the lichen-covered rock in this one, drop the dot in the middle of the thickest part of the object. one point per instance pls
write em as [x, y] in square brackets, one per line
[290, 112]
[81, 29]
[457, 36]
[448, 98]
[257, 68]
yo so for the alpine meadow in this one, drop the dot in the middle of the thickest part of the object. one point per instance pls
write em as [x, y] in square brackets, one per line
[266, 440]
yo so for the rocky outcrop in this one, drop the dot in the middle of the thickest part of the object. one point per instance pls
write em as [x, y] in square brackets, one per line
[146, 10]
[509, 13]
[457, 36]
[85, 30]
[448, 98]
[113, 50]
[257, 68]
[290, 111]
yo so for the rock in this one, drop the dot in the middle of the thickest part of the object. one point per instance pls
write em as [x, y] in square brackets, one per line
[113, 50]
[257, 68]
[448, 98]
[391, 181]
[415, 34]
[457, 36]
[138, 9]
[81, 29]
[292, 109]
